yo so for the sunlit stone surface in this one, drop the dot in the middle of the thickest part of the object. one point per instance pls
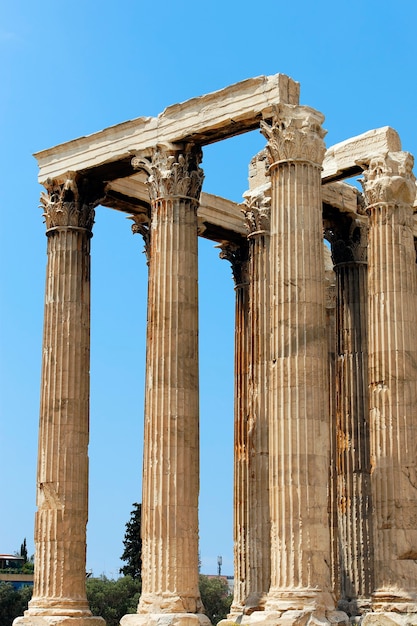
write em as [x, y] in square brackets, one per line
[325, 454]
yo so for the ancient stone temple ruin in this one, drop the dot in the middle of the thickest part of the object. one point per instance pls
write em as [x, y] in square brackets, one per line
[325, 451]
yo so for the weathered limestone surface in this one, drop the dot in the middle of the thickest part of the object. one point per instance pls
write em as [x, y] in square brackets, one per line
[257, 218]
[62, 475]
[352, 457]
[299, 437]
[202, 120]
[250, 263]
[238, 257]
[330, 299]
[252, 526]
[389, 187]
[344, 159]
[241, 467]
[221, 219]
[316, 374]
[171, 457]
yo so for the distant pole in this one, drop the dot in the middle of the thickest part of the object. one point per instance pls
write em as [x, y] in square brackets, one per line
[219, 565]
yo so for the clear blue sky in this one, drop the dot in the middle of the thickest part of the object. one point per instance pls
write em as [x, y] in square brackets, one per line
[72, 68]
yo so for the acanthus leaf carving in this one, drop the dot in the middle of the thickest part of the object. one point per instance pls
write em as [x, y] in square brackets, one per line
[295, 134]
[389, 179]
[257, 209]
[141, 225]
[348, 240]
[237, 255]
[173, 172]
[70, 202]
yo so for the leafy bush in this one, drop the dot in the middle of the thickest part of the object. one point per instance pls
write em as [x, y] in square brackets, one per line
[111, 599]
[13, 602]
[216, 597]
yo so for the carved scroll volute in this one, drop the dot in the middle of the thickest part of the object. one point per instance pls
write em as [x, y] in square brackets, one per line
[173, 172]
[294, 135]
[349, 241]
[70, 202]
[237, 255]
[389, 179]
[141, 225]
[257, 210]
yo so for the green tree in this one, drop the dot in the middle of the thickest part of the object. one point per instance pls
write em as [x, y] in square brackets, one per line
[13, 602]
[28, 567]
[24, 551]
[215, 596]
[111, 599]
[214, 590]
[132, 542]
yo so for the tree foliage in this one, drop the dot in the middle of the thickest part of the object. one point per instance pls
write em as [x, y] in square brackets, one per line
[132, 542]
[13, 602]
[28, 567]
[215, 596]
[111, 599]
[24, 551]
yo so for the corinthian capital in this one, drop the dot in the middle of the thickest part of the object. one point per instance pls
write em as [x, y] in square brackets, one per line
[389, 179]
[348, 239]
[295, 135]
[69, 202]
[173, 172]
[258, 209]
[141, 225]
[237, 255]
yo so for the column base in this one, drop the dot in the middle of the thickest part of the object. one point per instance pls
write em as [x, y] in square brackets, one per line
[255, 602]
[394, 602]
[290, 617]
[58, 620]
[390, 607]
[165, 619]
[389, 618]
[235, 611]
[304, 599]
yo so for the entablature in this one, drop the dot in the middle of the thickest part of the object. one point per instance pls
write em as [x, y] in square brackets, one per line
[215, 116]
[105, 157]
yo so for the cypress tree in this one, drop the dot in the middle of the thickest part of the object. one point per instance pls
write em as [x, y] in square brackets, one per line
[132, 554]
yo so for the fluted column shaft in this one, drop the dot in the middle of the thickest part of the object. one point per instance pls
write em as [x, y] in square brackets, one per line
[352, 423]
[240, 483]
[389, 187]
[238, 257]
[299, 421]
[62, 474]
[171, 446]
[259, 538]
[330, 285]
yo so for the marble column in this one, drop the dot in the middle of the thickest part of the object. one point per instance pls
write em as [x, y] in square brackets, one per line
[237, 255]
[299, 439]
[390, 189]
[353, 494]
[257, 215]
[62, 476]
[171, 444]
[330, 288]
